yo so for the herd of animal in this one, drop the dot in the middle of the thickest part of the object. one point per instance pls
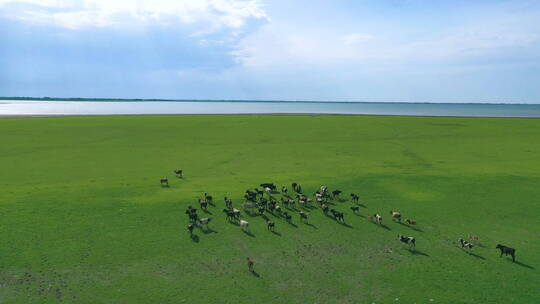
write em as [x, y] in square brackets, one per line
[260, 201]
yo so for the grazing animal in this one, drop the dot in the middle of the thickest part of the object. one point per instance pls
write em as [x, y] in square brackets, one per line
[355, 209]
[208, 198]
[325, 208]
[164, 182]
[229, 213]
[244, 224]
[190, 227]
[411, 241]
[287, 216]
[507, 251]
[270, 225]
[203, 203]
[354, 197]
[269, 185]
[178, 172]
[192, 214]
[303, 216]
[336, 193]
[284, 190]
[323, 189]
[338, 216]
[410, 222]
[204, 221]
[228, 202]
[474, 238]
[236, 213]
[465, 244]
[377, 217]
[396, 215]
[250, 263]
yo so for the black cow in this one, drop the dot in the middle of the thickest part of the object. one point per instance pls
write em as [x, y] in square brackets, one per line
[287, 216]
[507, 251]
[355, 209]
[336, 193]
[178, 172]
[164, 182]
[339, 216]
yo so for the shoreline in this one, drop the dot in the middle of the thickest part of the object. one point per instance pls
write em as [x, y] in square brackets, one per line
[7, 116]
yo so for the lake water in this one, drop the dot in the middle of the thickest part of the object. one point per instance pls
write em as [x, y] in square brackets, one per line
[36, 108]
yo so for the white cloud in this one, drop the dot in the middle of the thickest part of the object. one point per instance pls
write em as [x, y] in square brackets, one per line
[275, 45]
[76, 14]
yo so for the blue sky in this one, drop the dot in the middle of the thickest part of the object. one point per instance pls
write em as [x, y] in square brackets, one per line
[362, 50]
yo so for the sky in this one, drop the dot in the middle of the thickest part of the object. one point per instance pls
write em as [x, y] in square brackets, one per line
[341, 50]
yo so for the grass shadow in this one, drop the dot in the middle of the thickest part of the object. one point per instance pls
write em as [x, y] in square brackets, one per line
[248, 233]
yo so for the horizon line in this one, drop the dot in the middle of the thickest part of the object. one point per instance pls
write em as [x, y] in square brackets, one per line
[101, 99]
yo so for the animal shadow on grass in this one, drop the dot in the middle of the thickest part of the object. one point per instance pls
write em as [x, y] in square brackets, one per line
[249, 233]
[475, 255]
[412, 227]
[293, 224]
[346, 225]
[384, 226]
[256, 274]
[207, 212]
[522, 264]
[195, 238]
[310, 224]
[276, 233]
[415, 251]
[208, 231]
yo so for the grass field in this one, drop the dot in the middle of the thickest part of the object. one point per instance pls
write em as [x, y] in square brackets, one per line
[83, 218]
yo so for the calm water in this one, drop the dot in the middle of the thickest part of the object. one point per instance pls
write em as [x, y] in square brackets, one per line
[18, 107]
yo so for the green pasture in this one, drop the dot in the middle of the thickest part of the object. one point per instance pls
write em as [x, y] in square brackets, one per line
[83, 218]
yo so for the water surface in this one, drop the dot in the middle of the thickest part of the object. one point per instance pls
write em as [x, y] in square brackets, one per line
[52, 107]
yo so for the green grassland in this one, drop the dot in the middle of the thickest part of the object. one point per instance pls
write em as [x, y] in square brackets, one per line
[83, 218]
